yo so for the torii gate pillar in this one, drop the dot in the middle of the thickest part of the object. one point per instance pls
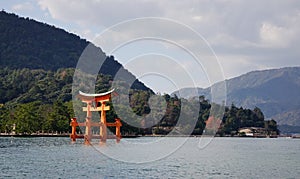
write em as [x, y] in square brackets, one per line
[103, 128]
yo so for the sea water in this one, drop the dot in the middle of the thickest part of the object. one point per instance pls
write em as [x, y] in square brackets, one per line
[52, 157]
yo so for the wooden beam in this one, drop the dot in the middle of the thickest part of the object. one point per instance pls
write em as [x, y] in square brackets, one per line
[106, 108]
[110, 124]
[81, 124]
[100, 99]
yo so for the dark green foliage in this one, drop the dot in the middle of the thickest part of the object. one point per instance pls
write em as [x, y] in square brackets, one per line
[24, 85]
[26, 43]
[235, 118]
[271, 126]
[38, 100]
[36, 117]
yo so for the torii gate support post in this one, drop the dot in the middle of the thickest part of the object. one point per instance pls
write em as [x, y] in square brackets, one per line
[73, 124]
[118, 129]
[88, 130]
[103, 128]
[118, 125]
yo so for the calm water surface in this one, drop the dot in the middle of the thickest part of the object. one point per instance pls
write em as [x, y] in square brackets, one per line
[222, 158]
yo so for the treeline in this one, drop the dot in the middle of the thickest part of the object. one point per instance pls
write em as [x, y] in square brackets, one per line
[41, 101]
[38, 100]
[233, 119]
[38, 117]
[35, 117]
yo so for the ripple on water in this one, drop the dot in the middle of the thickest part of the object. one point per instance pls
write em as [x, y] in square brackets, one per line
[223, 158]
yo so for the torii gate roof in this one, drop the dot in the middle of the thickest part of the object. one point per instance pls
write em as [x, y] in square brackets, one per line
[95, 94]
[104, 95]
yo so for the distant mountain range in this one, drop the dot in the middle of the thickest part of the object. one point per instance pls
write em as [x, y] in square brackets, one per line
[275, 91]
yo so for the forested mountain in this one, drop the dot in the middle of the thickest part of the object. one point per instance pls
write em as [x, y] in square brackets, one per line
[26, 43]
[276, 92]
[37, 68]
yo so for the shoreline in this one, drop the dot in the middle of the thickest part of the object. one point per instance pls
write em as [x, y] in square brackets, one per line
[136, 136]
[50, 135]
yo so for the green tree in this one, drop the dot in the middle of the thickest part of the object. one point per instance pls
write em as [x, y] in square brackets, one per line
[59, 118]
[271, 126]
[26, 118]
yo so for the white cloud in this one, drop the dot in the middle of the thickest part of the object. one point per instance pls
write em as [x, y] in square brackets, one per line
[26, 6]
[246, 35]
[235, 65]
[197, 18]
[95, 12]
[274, 36]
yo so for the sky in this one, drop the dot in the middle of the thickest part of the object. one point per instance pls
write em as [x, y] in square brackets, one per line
[192, 43]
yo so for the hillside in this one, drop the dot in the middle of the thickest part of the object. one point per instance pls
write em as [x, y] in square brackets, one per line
[274, 91]
[26, 43]
[37, 64]
[37, 67]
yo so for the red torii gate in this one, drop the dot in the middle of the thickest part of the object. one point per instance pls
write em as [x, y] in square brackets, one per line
[95, 99]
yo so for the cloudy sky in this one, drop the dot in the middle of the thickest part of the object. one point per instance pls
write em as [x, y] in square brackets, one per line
[244, 35]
